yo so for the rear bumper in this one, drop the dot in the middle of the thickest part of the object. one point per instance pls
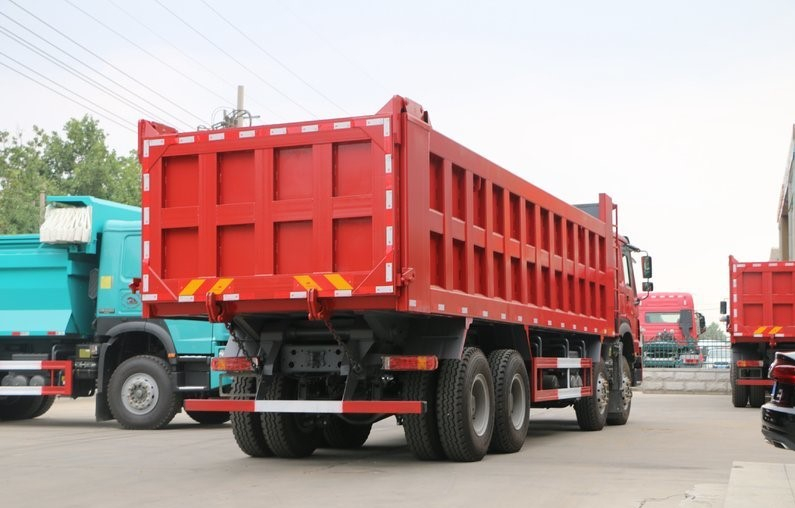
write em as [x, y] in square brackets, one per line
[308, 406]
[778, 425]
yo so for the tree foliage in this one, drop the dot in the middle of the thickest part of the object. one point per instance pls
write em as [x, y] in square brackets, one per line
[76, 162]
[713, 332]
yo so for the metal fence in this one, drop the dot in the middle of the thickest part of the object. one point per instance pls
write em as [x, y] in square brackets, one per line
[707, 354]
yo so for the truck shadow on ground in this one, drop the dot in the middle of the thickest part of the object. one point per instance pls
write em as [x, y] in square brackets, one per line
[76, 424]
[551, 426]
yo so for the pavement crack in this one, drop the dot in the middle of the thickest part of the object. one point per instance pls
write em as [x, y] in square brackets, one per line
[656, 499]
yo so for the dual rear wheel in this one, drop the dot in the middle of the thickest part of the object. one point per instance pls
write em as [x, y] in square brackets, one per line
[24, 408]
[745, 395]
[480, 405]
[289, 435]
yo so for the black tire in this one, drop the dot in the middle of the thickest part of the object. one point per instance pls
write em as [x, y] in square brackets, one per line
[739, 392]
[208, 417]
[337, 433]
[140, 395]
[46, 403]
[592, 410]
[756, 396]
[422, 431]
[465, 406]
[15, 407]
[289, 435]
[247, 427]
[621, 417]
[511, 401]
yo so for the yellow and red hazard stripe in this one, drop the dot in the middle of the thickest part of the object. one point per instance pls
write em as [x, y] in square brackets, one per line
[191, 289]
[764, 331]
[325, 282]
[334, 284]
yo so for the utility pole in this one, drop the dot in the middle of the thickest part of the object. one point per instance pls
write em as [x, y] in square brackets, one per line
[240, 106]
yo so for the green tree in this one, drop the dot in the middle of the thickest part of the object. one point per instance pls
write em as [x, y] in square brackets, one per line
[713, 332]
[75, 163]
[23, 178]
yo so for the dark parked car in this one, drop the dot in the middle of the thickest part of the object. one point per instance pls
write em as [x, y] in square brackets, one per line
[778, 415]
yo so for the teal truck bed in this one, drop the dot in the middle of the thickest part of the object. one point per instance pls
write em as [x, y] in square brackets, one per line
[34, 288]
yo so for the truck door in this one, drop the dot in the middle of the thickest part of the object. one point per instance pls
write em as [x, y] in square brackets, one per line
[120, 262]
[627, 293]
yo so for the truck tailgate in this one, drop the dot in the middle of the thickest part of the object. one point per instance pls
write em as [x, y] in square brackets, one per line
[268, 214]
[762, 300]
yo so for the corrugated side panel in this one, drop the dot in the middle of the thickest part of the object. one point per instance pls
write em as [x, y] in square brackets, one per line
[484, 243]
[265, 214]
[762, 299]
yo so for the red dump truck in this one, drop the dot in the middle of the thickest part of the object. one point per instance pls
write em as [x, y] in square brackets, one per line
[761, 321]
[370, 267]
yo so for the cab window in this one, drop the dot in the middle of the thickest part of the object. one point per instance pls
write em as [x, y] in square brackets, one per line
[628, 269]
[131, 257]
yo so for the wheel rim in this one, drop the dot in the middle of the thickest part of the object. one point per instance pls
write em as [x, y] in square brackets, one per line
[517, 402]
[139, 393]
[601, 392]
[626, 391]
[479, 405]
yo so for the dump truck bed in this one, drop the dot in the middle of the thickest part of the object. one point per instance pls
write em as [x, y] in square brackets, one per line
[364, 213]
[34, 290]
[762, 301]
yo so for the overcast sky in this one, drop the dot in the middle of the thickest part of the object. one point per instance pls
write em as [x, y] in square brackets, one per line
[681, 110]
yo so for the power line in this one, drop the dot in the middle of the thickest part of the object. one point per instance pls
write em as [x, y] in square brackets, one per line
[331, 46]
[127, 127]
[32, 47]
[81, 62]
[283, 66]
[58, 84]
[146, 27]
[232, 57]
[195, 82]
[106, 62]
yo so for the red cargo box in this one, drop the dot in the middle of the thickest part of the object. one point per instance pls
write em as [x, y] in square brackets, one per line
[762, 301]
[373, 212]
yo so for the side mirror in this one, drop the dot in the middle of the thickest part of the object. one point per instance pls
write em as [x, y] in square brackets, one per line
[648, 287]
[723, 307]
[702, 323]
[645, 262]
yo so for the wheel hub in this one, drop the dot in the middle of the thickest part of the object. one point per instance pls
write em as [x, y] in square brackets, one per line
[626, 391]
[479, 405]
[517, 402]
[139, 394]
[601, 392]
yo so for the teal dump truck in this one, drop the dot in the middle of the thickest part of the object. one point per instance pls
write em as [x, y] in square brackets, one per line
[71, 326]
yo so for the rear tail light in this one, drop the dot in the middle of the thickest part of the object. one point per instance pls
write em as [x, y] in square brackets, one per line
[783, 373]
[744, 364]
[235, 364]
[410, 363]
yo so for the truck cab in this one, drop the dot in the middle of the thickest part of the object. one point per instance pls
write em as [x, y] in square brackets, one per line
[669, 329]
[118, 308]
[72, 325]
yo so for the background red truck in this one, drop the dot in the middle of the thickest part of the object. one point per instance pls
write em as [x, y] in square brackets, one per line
[370, 267]
[761, 321]
[670, 327]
